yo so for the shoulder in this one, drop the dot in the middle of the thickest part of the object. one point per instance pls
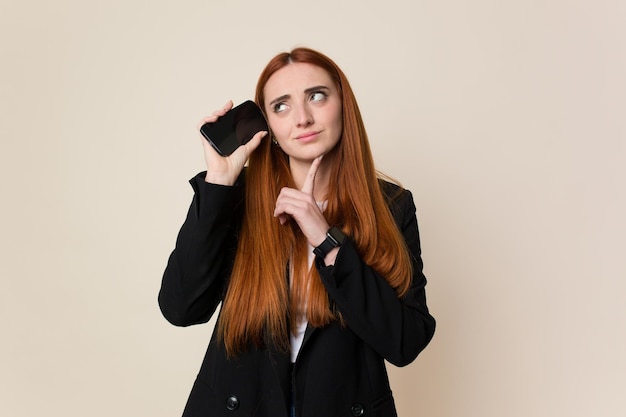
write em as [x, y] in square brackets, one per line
[395, 194]
[390, 190]
[398, 198]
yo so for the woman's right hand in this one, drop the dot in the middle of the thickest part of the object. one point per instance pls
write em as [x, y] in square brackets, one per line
[224, 170]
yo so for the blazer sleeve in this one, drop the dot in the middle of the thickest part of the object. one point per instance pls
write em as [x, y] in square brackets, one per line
[398, 329]
[194, 280]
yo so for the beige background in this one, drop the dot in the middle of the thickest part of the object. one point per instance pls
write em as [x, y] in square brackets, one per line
[505, 118]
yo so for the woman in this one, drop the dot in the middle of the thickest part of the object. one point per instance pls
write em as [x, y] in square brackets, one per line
[315, 259]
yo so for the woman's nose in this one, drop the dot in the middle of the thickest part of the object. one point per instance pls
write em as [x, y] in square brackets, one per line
[304, 117]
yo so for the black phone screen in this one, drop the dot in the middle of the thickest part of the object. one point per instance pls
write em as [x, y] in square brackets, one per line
[235, 128]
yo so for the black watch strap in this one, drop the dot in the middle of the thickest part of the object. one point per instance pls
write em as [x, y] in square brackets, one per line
[334, 238]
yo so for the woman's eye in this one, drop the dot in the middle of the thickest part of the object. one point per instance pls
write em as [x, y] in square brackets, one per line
[318, 96]
[279, 107]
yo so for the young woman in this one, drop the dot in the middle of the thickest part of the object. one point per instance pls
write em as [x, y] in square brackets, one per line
[315, 259]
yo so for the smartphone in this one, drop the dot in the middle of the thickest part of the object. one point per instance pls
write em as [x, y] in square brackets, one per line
[235, 128]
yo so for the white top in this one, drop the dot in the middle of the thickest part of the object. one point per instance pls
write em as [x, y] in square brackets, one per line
[297, 337]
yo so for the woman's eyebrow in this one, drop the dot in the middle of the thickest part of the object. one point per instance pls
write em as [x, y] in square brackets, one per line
[316, 88]
[306, 91]
[281, 98]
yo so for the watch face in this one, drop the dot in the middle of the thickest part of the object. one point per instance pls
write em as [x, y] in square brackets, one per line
[337, 235]
[334, 238]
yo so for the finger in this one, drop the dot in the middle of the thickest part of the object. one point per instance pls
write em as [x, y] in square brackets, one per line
[254, 143]
[281, 212]
[216, 114]
[285, 203]
[244, 151]
[226, 107]
[294, 203]
[309, 181]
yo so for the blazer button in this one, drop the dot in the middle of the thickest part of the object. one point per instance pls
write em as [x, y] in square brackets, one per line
[357, 410]
[232, 403]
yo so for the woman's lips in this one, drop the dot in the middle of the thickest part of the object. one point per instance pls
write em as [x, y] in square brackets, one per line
[307, 136]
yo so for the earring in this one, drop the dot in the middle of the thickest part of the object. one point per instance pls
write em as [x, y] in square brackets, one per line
[274, 141]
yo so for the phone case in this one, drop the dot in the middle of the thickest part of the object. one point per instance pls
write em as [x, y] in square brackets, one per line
[235, 128]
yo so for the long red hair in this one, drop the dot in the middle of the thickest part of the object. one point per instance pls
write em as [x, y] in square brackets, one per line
[260, 306]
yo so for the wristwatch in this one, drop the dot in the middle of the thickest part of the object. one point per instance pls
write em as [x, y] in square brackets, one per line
[334, 238]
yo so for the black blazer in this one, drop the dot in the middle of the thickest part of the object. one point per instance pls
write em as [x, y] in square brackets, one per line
[340, 370]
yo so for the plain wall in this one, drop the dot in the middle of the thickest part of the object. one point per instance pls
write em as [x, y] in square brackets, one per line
[505, 118]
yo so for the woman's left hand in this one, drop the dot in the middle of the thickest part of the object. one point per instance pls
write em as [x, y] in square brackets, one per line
[300, 205]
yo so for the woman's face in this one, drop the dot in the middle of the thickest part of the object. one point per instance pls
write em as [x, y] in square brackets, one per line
[304, 111]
